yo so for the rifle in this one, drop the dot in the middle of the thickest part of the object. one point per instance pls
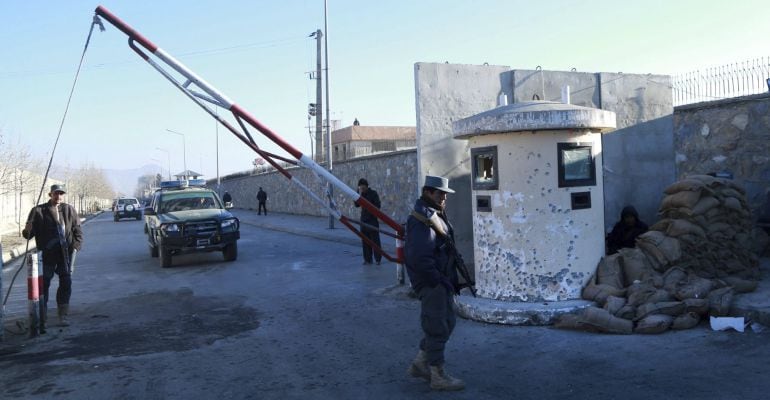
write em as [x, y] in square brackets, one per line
[455, 258]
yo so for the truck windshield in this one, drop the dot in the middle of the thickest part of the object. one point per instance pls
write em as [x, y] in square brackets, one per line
[171, 202]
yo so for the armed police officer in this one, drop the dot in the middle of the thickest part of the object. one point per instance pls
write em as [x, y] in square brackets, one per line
[428, 237]
[56, 228]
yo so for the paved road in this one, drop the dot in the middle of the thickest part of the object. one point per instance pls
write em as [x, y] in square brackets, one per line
[299, 318]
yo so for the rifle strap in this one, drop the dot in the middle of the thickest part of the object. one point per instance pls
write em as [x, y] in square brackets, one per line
[433, 222]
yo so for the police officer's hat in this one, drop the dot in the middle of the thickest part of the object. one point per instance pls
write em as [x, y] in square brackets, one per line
[58, 188]
[438, 182]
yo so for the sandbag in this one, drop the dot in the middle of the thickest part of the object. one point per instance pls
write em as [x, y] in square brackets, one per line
[638, 293]
[705, 204]
[626, 312]
[609, 272]
[635, 265]
[614, 304]
[671, 249]
[654, 255]
[720, 301]
[655, 323]
[682, 199]
[693, 287]
[679, 227]
[672, 277]
[606, 322]
[741, 285]
[732, 203]
[672, 308]
[684, 184]
[599, 293]
[685, 321]
[574, 322]
[697, 306]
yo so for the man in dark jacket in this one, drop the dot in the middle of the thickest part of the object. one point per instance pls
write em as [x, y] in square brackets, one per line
[56, 228]
[261, 199]
[227, 198]
[368, 218]
[625, 231]
[428, 232]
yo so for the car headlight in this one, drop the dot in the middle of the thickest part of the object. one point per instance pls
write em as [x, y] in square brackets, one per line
[170, 228]
[229, 225]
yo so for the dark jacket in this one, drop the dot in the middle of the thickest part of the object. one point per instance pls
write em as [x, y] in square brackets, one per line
[227, 198]
[427, 254]
[371, 196]
[44, 227]
[261, 196]
[623, 235]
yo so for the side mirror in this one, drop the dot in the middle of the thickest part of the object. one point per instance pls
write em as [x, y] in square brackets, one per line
[228, 205]
[149, 211]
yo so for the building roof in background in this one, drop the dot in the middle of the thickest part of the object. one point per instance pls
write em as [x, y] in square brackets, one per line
[368, 133]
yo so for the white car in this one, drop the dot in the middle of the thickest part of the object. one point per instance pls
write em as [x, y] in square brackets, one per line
[126, 207]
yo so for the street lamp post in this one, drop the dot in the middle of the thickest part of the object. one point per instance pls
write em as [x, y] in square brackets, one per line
[169, 160]
[184, 149]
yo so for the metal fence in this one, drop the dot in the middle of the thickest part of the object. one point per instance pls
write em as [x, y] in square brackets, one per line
[726, 81]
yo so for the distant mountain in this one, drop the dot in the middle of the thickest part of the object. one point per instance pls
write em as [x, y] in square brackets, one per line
[124, 180]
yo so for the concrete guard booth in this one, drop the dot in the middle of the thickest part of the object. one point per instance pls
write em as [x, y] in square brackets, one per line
[538, 208]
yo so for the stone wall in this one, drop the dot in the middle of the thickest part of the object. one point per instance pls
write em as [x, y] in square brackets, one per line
[731, 136]
[392, 175]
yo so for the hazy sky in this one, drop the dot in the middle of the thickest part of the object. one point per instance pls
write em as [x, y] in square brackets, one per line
[258, 53]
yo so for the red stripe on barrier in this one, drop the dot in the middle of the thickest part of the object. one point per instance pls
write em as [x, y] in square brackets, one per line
[33, 289]
[237, 110]
[118, 23]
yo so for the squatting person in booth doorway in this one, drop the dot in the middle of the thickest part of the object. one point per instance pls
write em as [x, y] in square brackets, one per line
[625, 231]
[368, 218]
[434, 281]
[56, 228]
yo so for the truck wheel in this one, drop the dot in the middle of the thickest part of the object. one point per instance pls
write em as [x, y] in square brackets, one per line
[231, 252]
[165, 257]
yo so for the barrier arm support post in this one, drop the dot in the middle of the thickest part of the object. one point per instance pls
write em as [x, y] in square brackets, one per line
[33, 294]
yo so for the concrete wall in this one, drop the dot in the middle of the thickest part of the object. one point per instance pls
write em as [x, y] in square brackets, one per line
[729, 135]
[392, 175]
[445, 93]
[638, 157]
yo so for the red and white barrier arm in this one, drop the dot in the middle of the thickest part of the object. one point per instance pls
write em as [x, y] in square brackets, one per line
[216, 97]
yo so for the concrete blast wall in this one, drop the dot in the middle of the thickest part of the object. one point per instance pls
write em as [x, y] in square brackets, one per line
[638, 157]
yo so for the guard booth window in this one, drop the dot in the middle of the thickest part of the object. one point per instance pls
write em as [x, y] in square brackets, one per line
[484, 168]
[577, 166]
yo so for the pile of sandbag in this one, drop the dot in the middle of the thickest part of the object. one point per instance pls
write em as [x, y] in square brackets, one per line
[687, 266]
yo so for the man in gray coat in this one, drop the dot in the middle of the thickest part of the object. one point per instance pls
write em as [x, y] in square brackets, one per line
[55, 226]
[427, 252]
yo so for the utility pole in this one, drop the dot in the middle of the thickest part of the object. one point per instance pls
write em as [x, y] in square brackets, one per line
[328, 117]
[319, 142]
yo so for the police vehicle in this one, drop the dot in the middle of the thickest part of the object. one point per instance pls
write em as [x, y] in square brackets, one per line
[186, 217]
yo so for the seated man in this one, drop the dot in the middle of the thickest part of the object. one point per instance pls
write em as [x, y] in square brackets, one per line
[625, 231]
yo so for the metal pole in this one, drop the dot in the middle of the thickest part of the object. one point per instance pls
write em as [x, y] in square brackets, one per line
[216, 130]
[319, 142]
[328, 116]
[33, 294]
[400, 267]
